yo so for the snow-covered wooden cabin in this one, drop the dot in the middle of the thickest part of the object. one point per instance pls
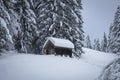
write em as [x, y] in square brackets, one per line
[58, 47]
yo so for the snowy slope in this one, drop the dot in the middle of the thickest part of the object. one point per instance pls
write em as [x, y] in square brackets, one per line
[42, 67]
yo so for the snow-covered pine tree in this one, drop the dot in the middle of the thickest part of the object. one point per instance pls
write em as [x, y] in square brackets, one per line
[61, 19]
[96, 45]
[104, 43]
[17, 38]
[88, 42]
[94, 42]
[13, 9]
[20, 18]
[109, 38]
[5, 39]
[28, 26]
[114, 34]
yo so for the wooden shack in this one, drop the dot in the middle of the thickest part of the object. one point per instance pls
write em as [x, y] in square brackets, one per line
[58, 46]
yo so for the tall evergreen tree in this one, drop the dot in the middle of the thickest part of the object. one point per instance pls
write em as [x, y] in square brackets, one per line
[6, 37]
[17, 38]
[104, 43]
[96, 45]
[28, 26]
[22, 21]
[88, 42]
[3, 38]
[61, 19]
[114, 34]
[94, 42]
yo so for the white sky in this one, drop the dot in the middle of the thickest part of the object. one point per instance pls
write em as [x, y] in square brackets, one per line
[97, 16]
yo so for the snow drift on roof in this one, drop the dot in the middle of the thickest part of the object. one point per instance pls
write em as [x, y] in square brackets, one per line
[60, 42]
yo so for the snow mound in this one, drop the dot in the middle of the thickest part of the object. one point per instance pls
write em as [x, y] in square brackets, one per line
[50, 67]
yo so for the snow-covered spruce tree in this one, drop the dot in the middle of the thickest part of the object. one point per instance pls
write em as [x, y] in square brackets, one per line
[114, 34]
[109, 38]
[5, 36]
[19, 17]
[14, 11]
[28, 27]
[104, 43]
[61, 19]
[17, 38]
[5, 40]
[96, 45]
[88, 42]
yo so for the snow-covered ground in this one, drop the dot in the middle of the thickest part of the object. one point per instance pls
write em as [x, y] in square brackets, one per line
[49, 67]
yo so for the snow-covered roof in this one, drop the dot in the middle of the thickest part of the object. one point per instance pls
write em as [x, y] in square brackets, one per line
[60, 42]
